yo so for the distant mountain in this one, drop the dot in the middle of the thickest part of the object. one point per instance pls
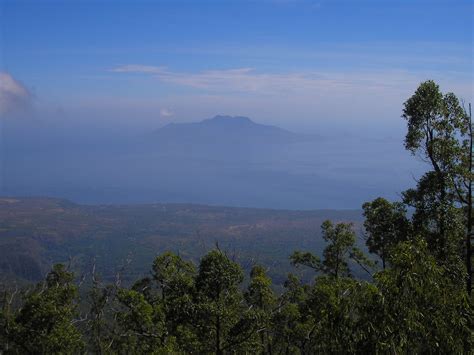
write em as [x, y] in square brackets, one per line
[226, 129]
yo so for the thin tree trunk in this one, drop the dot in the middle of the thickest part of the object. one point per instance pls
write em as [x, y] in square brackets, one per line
[218, 336]
[469, 213]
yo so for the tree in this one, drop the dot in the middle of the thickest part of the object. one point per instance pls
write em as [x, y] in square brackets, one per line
[223, 321]
[385, 225]
[175, 279]
[173, 275]
[438, 131]
[142, 326]
[44, 324]
[261, 297]
[333, 310]
[340, 249]
[290, 322]
[98, 330]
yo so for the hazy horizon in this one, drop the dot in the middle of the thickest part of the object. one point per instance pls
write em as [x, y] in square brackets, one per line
[85, 84]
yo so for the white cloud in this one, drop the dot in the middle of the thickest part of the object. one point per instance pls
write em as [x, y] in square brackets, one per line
[248, 80]
[164, 112]
[132, 68]
[13, 95]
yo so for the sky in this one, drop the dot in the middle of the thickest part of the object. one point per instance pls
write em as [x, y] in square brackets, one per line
[303, 65]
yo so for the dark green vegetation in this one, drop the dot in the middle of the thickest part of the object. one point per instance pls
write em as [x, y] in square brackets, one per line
[418, 301]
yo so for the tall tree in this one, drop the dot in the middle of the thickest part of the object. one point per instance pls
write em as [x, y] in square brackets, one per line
[222, 318]
[469, 235]
[99, 331]
[438, 131]
[261, 297]
[175, 280]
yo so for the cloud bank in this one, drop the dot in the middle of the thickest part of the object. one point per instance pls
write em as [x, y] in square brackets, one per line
[165, 112]
[14, 96]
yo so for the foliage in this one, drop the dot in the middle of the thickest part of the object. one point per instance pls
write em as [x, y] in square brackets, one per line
[98, 327]
[261, 297]
[415, 304]
[338, 309]
[425, 309]
[438, 131]
[44, 324]
[385, 226]
[290, 326]
[175, 279]
[223, 321]
[142, 326]
[341, 248]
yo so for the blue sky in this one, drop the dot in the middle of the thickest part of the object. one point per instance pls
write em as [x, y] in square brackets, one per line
[299, 64]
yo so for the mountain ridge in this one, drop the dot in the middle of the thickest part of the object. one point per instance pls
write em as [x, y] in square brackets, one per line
[227, 129]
